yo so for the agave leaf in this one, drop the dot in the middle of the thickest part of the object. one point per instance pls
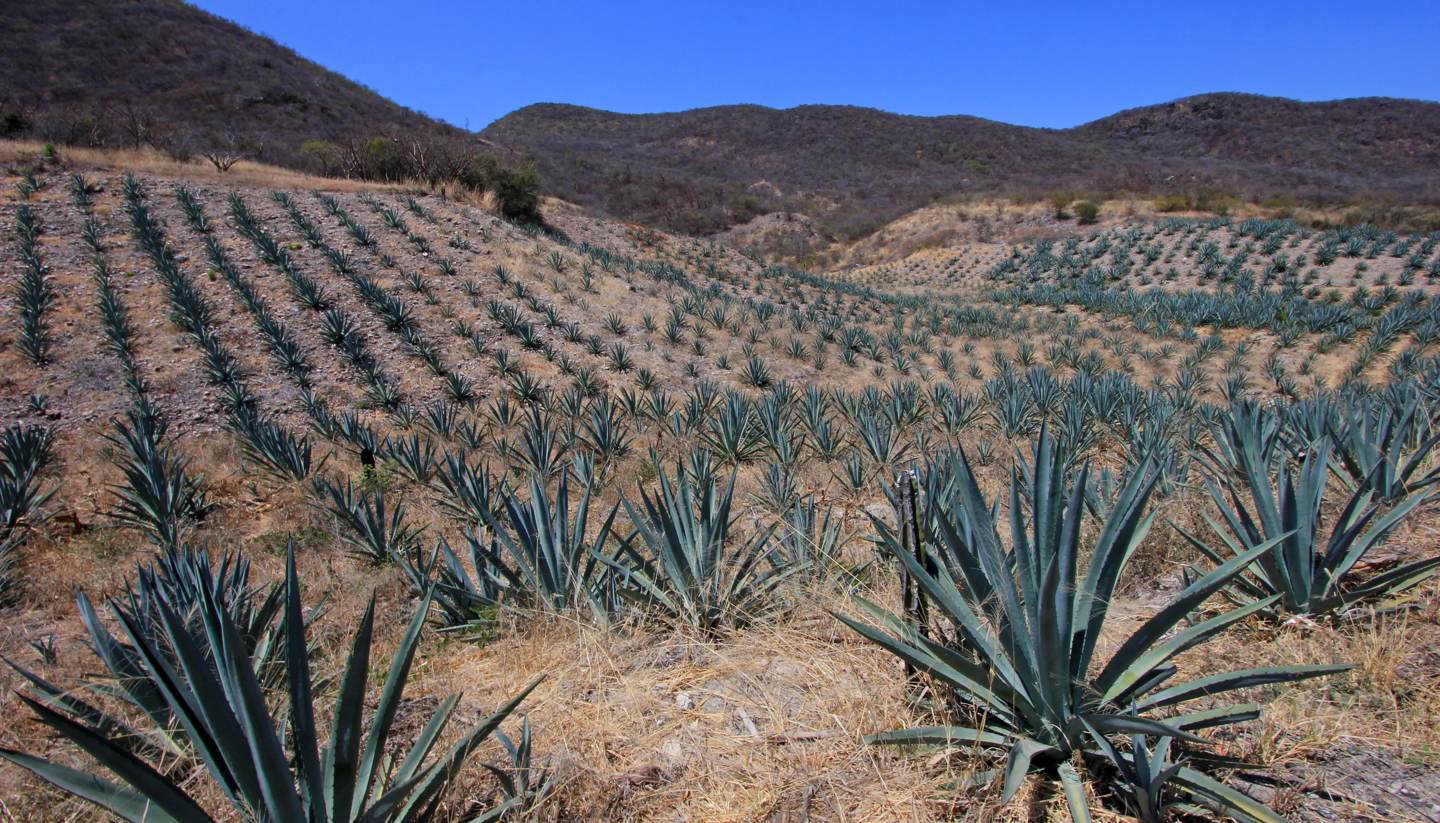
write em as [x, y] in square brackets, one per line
[304, 733]
[1128, 663]
[1022, 751]
[1230, 681]
[390, 695]
[342, 755]
[1074, 793]
[154, 794]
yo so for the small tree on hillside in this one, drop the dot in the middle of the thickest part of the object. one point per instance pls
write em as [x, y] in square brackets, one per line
[384, 159]
[1059, 202]
[518, 193]
[1087, 212]
[320, 157]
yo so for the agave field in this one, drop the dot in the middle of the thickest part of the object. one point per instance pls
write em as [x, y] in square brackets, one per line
[370, 506]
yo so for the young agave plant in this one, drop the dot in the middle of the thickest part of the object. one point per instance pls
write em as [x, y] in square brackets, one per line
[1301, 572]
[1144, 776]
[272, 447]
[687, 566]
[367, 525]
[548, 562]
[219, 703]
[812, 539]
[159, 496]
[1026, 626]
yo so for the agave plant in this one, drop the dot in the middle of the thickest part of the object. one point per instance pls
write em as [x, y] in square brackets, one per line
[366, 524]
[466, 492]
[160, 497]
[34, 294]
[687, 565]
[180, 580]
[1303, 572]
[24, 453]
[1017, 646]
[732, 435]
[271, 446]
[548, 561]
[1146, 778]
[524, 785]
[756, 373]
[219, 702]
[1384, 447]
[463, 600]
[812, 539]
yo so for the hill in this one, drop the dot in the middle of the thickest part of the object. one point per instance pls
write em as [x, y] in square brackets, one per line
[125, 72]
[855, 169]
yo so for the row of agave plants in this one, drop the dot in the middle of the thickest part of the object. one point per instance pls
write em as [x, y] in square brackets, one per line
[1207, 241]
[1007, 632]
[904, 352]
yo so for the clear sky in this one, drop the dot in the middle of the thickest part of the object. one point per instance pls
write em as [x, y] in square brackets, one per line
[1040, 63]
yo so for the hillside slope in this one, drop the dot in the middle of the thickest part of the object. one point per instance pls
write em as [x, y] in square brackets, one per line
[855, 168]
[90, 71]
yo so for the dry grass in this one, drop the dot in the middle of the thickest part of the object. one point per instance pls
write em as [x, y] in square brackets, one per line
[150, 161]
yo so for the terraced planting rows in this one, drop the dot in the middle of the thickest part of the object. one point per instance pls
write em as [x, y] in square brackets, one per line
[1109, 525]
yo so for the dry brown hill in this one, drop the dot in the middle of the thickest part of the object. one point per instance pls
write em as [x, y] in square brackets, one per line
[855, 169]
[120, 72]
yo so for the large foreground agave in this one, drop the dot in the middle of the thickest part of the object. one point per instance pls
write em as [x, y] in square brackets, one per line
[218, 700]
[1019, 652]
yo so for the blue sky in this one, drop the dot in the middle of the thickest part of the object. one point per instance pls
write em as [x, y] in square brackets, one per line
[1041, 63]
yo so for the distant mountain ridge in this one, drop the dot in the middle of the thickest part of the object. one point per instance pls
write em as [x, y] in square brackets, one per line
[853, 168]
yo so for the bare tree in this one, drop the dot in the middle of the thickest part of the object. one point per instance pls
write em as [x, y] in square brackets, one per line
[228, 151]
[418, 153]
[134, 123]
[222, 160]
[352, 158]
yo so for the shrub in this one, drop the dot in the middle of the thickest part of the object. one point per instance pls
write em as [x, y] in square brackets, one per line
[517, 192]
[1171, 203]
[1086, 213]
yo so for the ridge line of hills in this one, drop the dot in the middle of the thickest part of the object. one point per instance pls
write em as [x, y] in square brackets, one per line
[165, 73]
[705, 170]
